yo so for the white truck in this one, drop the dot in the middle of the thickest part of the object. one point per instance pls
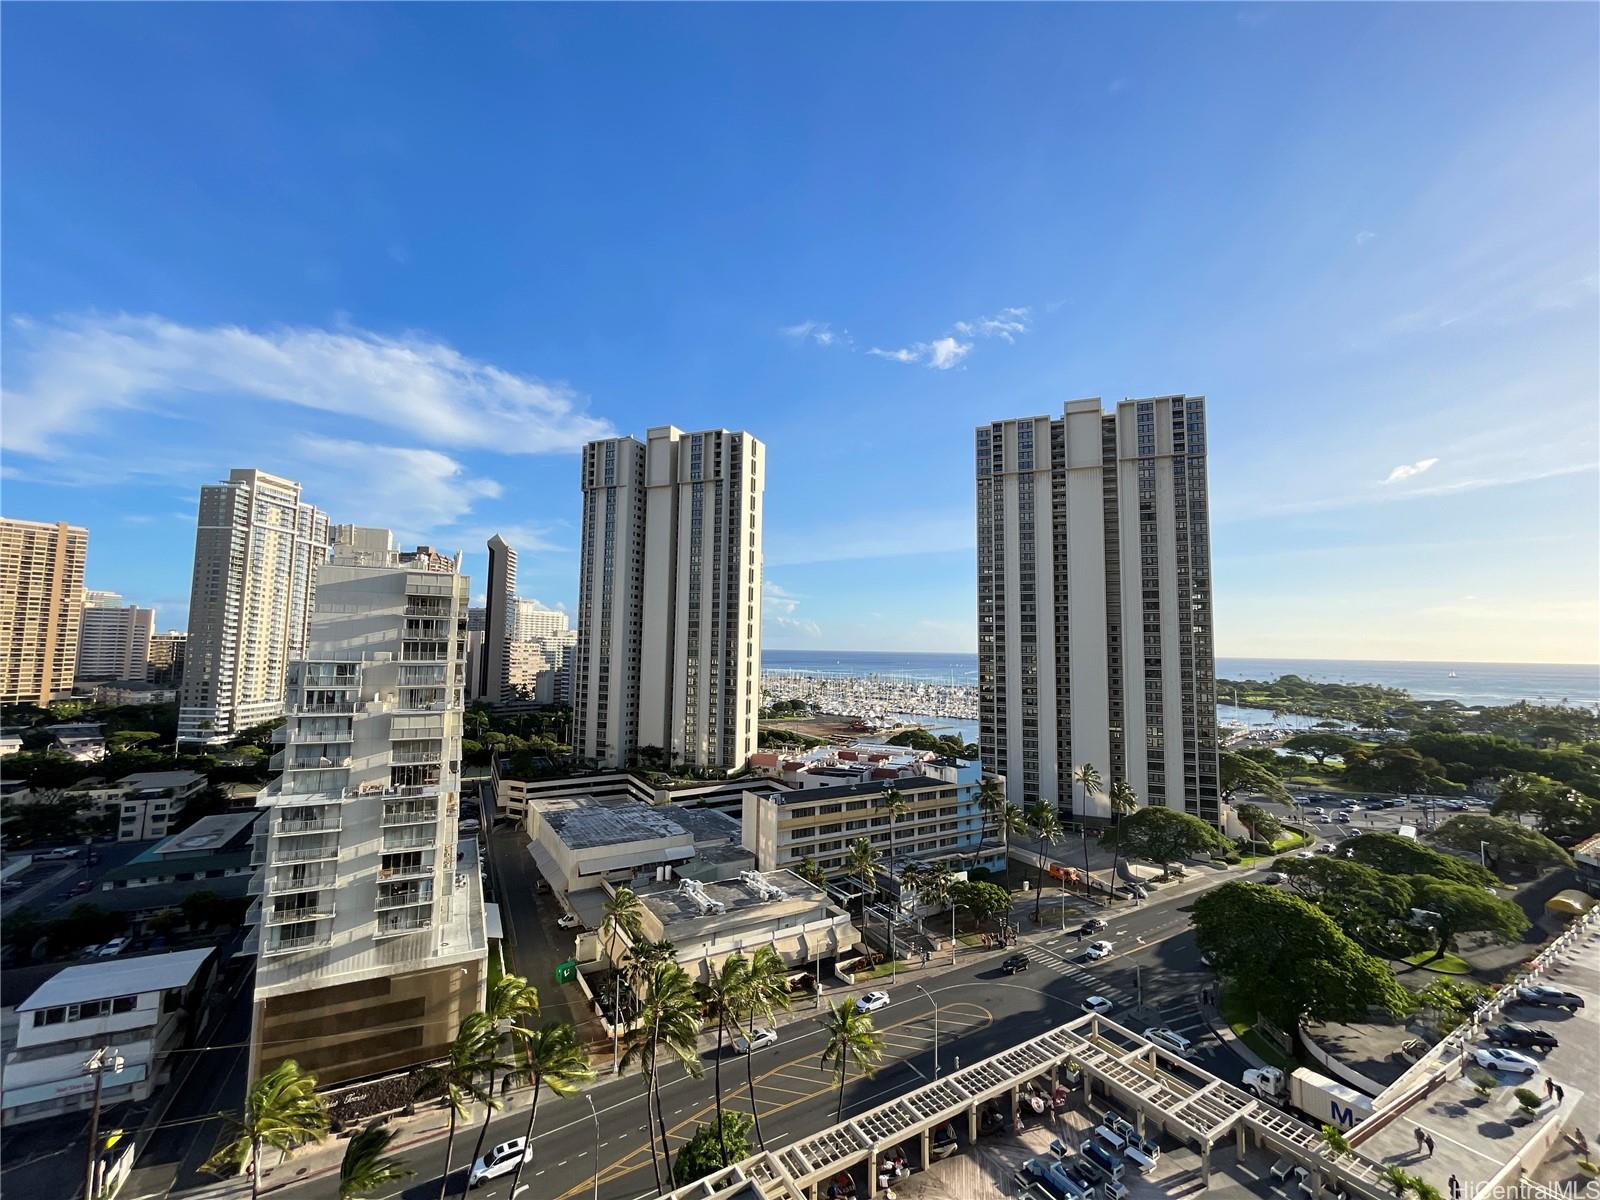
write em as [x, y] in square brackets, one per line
[1324, 1101]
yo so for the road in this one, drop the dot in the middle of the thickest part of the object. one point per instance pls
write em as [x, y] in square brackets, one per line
[981, 1011]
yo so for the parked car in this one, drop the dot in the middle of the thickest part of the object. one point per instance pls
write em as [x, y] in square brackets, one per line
[1098, 1004]
[1526, 1037]
[1017, 962]
[1170, 1040]
[759, 1040]
[1097, 950]
[112, 948]
[568, 921]
[872, 1002]
[1545, 996]
[501, 1160]
[467, 826]
[1494, 1058]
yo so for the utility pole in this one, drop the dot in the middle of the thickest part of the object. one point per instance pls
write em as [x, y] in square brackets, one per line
[102, 1060]
[935, 1004]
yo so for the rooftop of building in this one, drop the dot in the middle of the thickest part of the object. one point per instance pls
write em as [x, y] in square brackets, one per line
[159, 779]
[599, 823]
[208, 835]
[103, 979]
[865, 787]
[706, 824]
[673, 906]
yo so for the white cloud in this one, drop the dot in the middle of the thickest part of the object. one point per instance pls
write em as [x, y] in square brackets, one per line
[906, 356]
[940, 354]
[797, 625]
[1005, 325]
[948, 351]
[820, 332]
[75, 368]
[415, 492]
[1410, 470]
[1364, 236]
[775, 599]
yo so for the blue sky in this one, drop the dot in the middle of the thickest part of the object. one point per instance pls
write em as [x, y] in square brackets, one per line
[414, 256]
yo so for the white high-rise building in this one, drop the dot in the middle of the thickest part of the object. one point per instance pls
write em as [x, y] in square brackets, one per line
[257, 548]
[114, 638]
[371, 940]
[494, 663]
[1094, 605]
[41, 604]
[530, 620]
[669, 598]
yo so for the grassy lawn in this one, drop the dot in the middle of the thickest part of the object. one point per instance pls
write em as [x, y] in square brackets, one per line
[1450, 964]
[1242, 1021]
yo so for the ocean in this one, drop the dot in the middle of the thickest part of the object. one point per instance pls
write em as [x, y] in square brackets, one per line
[1468, 683]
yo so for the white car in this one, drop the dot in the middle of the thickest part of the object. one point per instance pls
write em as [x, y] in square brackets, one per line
[1097, 950]
[760, 1040]
[872, 1002]
[1170, 1040]
[1098, 1004]
[501, 1160]
[112, 948]
[1324, 819]
[568, 921]
[1494, 1058]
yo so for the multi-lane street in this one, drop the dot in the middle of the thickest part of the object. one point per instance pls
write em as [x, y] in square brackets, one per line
[980, 1010]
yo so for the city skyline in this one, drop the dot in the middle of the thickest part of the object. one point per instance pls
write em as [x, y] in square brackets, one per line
[1383, 284]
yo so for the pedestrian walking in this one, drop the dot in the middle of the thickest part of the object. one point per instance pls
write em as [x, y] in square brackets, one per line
[1561, 1094]
[1455, 1188]
[1420, 1136]
[1549, 1087]
[1429, 1138]
[1583, 1142]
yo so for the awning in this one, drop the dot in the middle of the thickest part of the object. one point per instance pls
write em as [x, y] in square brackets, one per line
[491, 921]
[1572, 902]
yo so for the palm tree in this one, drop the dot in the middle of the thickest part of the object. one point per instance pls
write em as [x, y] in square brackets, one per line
[511, 1006]
[808, 870]
[622, 919]
[1396, 1177]
[1124, 800]
[366, 1167]
[894, 803]
[1047, 828]
[1088, 777]
[862, 862]
[554, 1059]
[913, 878]
[991, 798]
[722, 995]
[1010, 821]
[669, 1019]
[456, 1079]
[765, 993]
[851, 1038]
[1334, 1141]
[282, 1111]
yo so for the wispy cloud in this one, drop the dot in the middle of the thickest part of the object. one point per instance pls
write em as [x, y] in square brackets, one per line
[73, 368]
[1005, 325]
[778, 608]
[797, 625]
[1410, 470]
[820, 333]
[415, 492]
[1364, 236]
[775, 599]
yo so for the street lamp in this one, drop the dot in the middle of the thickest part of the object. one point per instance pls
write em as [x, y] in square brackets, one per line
[935, 1004]
[953, 906]
[595, 1117]
[1483, 855]
[102, 1060]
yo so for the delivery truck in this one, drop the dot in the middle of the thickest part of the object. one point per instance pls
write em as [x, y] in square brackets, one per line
[1321, 1100]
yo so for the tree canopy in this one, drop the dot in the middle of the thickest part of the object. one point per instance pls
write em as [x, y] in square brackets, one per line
[1287, 960]
[1320, 744]
[1165, 835]
[1465, 908]
[983, 900]
[1367, 904]
[1263, 826]
[1392, 854]
[1243, 773]
[1502, 841]
[702, 1154]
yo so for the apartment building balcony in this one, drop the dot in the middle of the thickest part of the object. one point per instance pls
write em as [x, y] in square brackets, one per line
[411, 896]
[299, 852]
[291, 826]
[399, 871]
[346, 706]
[292, 914]
[419, 606]
[283, 761]
[396, 924]
[281, 883]
[416, 838]
[408, 814]
[274, 944]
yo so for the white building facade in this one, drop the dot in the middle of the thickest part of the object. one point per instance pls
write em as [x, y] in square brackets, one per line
[114, 638]
[669, 607]
[256, 553]
[1094, 605]
[371, 941]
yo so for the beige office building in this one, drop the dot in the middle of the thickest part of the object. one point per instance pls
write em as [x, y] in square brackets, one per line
[257, 548]
[371, 938]
[669, 598]
[114, 638]
[41, 605]
[1094, 605]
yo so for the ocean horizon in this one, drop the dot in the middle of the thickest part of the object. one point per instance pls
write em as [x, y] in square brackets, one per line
[1465, 682]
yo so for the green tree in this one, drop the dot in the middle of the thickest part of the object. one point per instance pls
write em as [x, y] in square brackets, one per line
[552, 1058]
[1124, 803]
[1165, 835]
[991, 799]
[367, 1166]
[1239, 773]
[1088, 777]
[1556, 809]
[721, 996]
[1320, 745]
[669, 1023]
[862, 862]
[1464, 908]
[808, 870]
[282, 1112]
[1263, 826]
[1286, 959]
[764, 994]
[851, 1039]
[709, 1149]
[1502, 841]
[1046, 827]
[1392, 854]
[1010, 822]
[512, 1005]
[473, 1053]
[200, 908]
[621, 921]
[984, 901]
[1368, 905]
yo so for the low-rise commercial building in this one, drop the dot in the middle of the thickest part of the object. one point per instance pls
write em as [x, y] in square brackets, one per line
[1586, 857]
[943, 820]
[138, 1005]
[152, 802]
[582, 845]
[82, 741]
[516, 798]
[212, 855]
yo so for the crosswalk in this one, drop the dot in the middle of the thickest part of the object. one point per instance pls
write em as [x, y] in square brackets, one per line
[1183, 1016]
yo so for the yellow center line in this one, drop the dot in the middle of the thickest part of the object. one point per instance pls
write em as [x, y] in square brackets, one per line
[640, 1158]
